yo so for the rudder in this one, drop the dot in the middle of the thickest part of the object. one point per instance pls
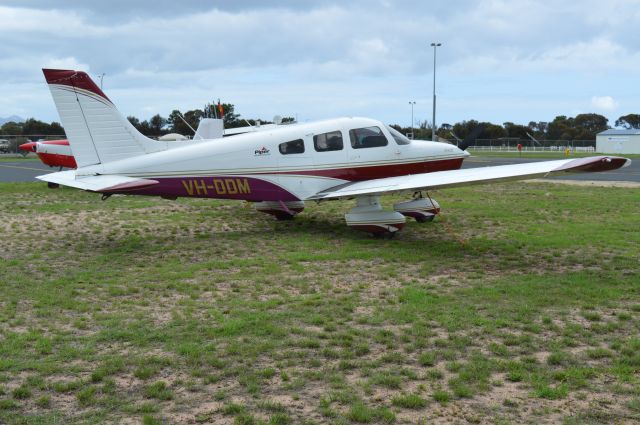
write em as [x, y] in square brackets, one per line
[97, 131]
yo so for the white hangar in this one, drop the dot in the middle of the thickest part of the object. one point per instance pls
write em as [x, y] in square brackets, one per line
[618, 141]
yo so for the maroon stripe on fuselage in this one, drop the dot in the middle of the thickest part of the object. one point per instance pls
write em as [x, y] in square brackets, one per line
[219, 187]
[381, 171]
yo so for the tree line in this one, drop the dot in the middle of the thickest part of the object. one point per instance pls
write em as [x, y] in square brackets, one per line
[186, 123]
[580, 127]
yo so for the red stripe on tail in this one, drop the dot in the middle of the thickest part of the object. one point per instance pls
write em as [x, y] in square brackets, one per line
[72, 78]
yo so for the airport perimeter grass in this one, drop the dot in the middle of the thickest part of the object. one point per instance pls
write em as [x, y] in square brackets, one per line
[520, 304]
[543, 155]
[18, 158]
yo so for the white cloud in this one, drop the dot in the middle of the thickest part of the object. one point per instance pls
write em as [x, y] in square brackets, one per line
[604, 103]
[325, 57]
[65, 63]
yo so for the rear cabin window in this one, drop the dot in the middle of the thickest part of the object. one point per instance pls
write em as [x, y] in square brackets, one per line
[294, 146]
[325, 142]
[368, 137]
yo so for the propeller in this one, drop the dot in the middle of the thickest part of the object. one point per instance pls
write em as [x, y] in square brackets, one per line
[471, 137]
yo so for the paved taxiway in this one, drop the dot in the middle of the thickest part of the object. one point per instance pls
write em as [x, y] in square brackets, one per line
[26, 171]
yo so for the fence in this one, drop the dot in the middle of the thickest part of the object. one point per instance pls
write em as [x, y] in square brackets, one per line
[511, 145]
[16, 140]
[497, 145]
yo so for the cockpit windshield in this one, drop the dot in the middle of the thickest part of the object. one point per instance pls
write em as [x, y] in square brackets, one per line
[398, 137]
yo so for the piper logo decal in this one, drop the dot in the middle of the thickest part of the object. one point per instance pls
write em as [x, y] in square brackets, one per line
[261, 152]
[230, 186]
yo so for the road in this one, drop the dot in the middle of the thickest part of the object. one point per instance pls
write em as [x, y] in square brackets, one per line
[26, 171]
[23, 171]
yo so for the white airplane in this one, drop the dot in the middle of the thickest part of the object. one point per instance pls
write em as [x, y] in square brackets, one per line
[278, 169]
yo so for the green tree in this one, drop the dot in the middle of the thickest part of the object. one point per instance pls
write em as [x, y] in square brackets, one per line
[561, 128]
[515, 131]
[492, 131]
[231, 119]
[588, 125]
[36, 127]
[56, 128]
[134, 121]
[12, 128]
[629, 121]
[177, 125]
[538, 129]
[156, 125]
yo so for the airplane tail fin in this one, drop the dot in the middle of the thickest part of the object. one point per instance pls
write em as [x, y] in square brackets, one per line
[97, 131]
[471, 137]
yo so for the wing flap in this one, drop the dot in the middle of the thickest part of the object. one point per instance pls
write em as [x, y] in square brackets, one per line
[471, 176]
[98, 183]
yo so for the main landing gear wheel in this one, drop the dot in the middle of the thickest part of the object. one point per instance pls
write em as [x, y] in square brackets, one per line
[425, 219]
[384, 235]
[282, 211]
[423, 210]
[368, 216]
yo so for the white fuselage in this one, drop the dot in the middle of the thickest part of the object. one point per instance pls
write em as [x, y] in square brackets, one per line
[192, 169]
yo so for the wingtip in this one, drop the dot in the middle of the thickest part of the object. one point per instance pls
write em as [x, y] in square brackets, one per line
[595, 164]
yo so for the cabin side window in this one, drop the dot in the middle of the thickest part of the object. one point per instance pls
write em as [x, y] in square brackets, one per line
[325, 142]
[398, 137]
[294, 146]
[368, 137]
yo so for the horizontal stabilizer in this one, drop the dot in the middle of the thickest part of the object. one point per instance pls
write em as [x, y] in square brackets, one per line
[471, 176]
[98, 183]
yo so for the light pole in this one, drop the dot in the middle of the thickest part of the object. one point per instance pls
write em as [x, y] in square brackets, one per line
[433, 121]
[412, 102]
[101, 76]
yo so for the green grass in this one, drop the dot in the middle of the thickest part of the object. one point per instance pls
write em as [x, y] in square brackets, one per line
[166, 311]
[409, 401]
[18, 158]
[548, 155]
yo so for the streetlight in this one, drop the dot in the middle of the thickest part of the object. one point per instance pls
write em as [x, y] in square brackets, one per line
[413, 102]
[101, 76]
[433, 121]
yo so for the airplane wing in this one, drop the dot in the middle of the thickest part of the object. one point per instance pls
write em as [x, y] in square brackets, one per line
[470, 176]
[97, 183]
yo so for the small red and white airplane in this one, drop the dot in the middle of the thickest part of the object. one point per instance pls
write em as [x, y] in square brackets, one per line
[54, 153]
[57, 153]
[278, 169]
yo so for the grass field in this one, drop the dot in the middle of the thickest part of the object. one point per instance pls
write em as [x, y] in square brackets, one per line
[19, 158]
[544, 155]
[520, 304]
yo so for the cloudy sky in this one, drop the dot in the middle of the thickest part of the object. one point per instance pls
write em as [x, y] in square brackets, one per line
[511, 60]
